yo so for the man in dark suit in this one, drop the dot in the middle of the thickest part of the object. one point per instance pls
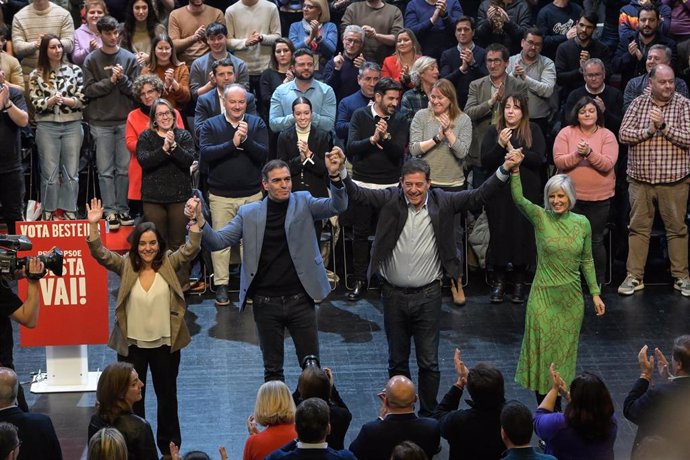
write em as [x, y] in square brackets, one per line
[36, 431]
[662, 409]
[397, 422]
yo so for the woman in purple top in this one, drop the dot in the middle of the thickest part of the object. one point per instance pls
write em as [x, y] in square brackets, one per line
[587, 428]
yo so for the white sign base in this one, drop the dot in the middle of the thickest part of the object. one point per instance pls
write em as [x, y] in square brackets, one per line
[67, 371]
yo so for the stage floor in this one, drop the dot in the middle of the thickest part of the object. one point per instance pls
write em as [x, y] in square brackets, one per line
[221, 369]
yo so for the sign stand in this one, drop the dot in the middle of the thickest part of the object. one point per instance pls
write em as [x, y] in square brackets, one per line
[68, 371]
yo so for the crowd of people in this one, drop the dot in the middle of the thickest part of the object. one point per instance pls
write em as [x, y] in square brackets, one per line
[404, 119]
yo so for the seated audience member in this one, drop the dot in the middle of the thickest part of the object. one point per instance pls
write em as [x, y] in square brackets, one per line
[629, 21]
[342, 70]
[187, 28]
[464, 62]
[211, 104]
[253, 26]
[608, 98]
[312, 425]
[39, 440]
[118, 389]
[320, 94]
[380, 21]
[315, 382]
[201, 78]
[572, 54]
[174, 74]
[397, 422]
[657, 54]
[275, 410]
[423, 74]
[433, 24]
[86, 37]
[140, 28]
[631, 55]
[233, 147]
[375, 146]
[661, 409]
[107, 444]
[557, 21]
[9, 442]
[475, 432]
[516, 432]
[484, 103]
[11, 74]
[369, 74]
[399, 65]
[503, 23]
[408, 450]
[587, 427]
[316, 32]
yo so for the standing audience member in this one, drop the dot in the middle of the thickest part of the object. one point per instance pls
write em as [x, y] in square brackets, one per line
[187, 28]
[174, 74]
[397, 422]
[630, 18]
[380, 21]
[234, 146]
[316, 32]
[423, 74]
[433, 23]
[11, 70]
[36, 431]
[274, 410]
[57, 94]
[119, 388]
[516, 432]
[342, 70]
[475, 432]
[278, 72]
[139, 30]
[660, 410]
[587, 428]
[557, 21]
[399, 65]
[107, 444]
[656, 129]
[86, 37]
[587, 152]
[555, 309]
[513, 131]
[369, 74]
[149, 330]
[108, 76]
[442, 135]
[503, 22]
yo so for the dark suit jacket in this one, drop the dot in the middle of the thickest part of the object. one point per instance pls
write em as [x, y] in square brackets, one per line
[450, 70]
[661, 410]
[376, 440]
[36, 432]
[442, 208]
[292, 452]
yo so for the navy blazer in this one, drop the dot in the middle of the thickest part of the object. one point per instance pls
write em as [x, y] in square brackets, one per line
[450, 70]
[36, 431]
[376, 440]
[292, 452]
[249, 226]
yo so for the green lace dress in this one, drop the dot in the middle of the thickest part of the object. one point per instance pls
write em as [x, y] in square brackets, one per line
[555, 307]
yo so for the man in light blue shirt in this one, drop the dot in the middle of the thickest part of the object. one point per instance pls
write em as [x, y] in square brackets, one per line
[320, 94]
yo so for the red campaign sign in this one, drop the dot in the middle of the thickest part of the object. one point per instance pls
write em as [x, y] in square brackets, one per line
[74, 307]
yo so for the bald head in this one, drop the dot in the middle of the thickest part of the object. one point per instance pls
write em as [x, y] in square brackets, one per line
[8, 387]
[662, 83]
[400, 393]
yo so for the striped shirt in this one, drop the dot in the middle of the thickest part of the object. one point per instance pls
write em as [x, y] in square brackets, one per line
[664, 156]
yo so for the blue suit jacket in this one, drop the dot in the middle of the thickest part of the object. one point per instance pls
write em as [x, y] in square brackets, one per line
[249, 226]
[290, 451]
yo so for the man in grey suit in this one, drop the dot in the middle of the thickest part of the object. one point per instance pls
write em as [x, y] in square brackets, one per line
[282, 269]
[484, 102]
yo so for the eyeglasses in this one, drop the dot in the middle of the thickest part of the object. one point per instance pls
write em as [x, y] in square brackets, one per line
[530, 43]
[166, 114]
[352, 41]
[593, 75]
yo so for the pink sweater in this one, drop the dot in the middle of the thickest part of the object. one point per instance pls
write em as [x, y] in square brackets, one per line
[594, 176]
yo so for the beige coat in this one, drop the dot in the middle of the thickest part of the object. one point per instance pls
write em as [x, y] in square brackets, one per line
[121, 264]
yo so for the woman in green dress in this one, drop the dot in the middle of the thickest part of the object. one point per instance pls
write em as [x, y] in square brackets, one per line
[555, 307]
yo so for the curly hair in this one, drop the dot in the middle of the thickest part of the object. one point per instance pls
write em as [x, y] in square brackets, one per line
[147, 79]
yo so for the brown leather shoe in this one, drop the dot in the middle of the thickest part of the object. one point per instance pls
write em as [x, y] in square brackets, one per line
[458, 294]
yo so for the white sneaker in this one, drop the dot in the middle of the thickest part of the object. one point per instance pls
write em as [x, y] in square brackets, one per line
[631, 284]
[682, 285]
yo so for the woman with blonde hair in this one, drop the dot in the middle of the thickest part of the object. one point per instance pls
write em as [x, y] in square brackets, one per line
[399, 65]
[315, 32]
[441, 135]
[424, 73]
[107, 444]
[275, 409]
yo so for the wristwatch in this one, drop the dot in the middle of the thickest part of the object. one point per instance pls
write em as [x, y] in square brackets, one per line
[662, 126]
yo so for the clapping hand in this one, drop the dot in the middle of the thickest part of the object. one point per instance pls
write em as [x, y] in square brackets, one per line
[168, 141]
[174, 451]
[241, 133]
[583, 148]
[200, 33]
[635, 50]
[304, 151]
[646, 363]
[142, 58]
[252, 426]
[4, 94]
[94, 213]
[504, 137]
[662, 364]
[519, 71]
[558, 383]
[314, 25]
[169, 79]
[460, 369]
[93, 44]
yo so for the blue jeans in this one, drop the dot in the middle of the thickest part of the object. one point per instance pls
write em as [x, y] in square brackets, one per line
[59, 145]
[112, 162]
[409, 314]
[272, 316]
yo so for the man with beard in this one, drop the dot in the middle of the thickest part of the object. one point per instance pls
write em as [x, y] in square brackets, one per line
[342, 70]
[631, 55]
[320, 94]
[572, 55]
[369, 75]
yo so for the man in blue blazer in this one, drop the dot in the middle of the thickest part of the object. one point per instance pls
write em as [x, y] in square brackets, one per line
[282, 269]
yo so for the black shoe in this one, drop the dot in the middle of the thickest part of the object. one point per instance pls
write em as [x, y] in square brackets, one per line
[518, 293]
[222, 295]
[497, 293]
[358, 292]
